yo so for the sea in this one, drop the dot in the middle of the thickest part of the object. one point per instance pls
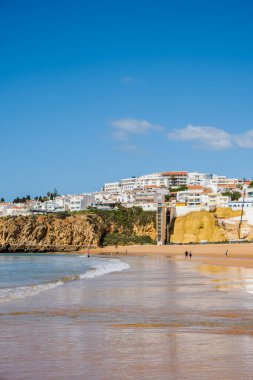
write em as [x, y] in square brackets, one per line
[27, 275]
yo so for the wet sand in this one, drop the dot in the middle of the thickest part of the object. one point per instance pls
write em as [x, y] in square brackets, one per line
[239, 254]
[161, 319]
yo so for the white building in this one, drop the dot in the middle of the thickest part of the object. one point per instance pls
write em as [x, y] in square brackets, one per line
[81, 202]
[112, 187]
[202, 197]
[237, 205]
[154, 179]
[11, 209]
[176, 179]
[198, 179]
[215, 200]
[129, 184]
[191, 197]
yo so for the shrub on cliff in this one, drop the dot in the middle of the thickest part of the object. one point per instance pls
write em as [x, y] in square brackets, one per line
[121, 239]
[124, 219]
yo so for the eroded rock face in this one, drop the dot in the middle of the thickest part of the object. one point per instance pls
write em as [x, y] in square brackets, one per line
[195, 227]
[41, 231]
[148, 230]
[222, 225]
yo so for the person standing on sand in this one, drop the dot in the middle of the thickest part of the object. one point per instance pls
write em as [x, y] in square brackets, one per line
[190, 254]
[186, 253]
[226, 253]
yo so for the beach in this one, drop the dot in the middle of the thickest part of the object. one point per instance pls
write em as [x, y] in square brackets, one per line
[238, 254]
[163, 317]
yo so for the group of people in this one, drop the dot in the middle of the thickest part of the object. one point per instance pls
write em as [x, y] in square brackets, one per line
[188, 254]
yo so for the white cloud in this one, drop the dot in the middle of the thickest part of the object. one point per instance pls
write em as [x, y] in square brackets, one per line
[123, 128]
[206, 137]
[245, 140]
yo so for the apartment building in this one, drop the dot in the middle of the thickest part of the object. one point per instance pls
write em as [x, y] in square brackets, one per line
[112, 187]
[81, 202]
[215, 200]
[10, 209]
[129, 184]
[152, 180]
[191, 197]
[198, 179]
[176, 179]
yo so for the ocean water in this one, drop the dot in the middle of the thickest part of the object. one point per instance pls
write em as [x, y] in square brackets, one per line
[27, 275]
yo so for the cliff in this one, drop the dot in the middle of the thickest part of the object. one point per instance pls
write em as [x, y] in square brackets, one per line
[50, 232]
[218, 226]
[41, 233]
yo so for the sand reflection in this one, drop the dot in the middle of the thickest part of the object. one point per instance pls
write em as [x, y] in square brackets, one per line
[161, 320]
[229, 278]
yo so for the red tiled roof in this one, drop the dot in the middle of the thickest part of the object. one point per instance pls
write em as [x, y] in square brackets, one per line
[227, 185]
[196, 187]
[174, 173]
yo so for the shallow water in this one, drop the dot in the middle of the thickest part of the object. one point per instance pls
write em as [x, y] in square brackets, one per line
[160, 319]
[26, 275]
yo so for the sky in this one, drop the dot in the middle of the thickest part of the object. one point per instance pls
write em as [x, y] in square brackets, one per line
[95, 91]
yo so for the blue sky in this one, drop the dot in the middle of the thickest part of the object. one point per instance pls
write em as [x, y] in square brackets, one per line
[95, 91]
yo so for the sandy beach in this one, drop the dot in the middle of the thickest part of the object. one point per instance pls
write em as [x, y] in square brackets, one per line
[239, 254]
[164, 317]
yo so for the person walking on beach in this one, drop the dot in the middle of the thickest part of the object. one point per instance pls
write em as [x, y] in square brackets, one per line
[226, 253]
[190, 254]
[186, 253]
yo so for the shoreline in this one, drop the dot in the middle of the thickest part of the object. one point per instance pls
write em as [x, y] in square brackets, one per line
[239, 255]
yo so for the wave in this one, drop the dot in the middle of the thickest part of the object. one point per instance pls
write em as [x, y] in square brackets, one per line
[114, 265]
[98, 269]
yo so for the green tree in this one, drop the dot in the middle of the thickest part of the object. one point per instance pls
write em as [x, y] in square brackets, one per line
[234, 195]
[251, 184]
[180, 188]
[55, 193]
[2, 200]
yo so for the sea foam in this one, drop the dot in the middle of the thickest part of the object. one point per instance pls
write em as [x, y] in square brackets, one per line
[105, 266]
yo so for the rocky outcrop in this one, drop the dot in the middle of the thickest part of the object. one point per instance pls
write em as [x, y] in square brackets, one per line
[196, 226]
[60, 233]
[221, 225]
[50, 233]
[145, 230]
